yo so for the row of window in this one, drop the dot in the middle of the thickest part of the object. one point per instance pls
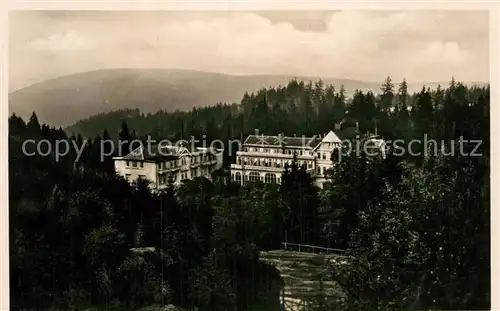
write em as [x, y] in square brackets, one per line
[135, 164]
[167, 165]
[254, 176]
[202, 158]
[278, 163]
[319, 155]
[278, 151]
[164, 178]
[323, 156]
[267, 178]
[128, 177]
[321, 170]
[172, 164]
[185, 160]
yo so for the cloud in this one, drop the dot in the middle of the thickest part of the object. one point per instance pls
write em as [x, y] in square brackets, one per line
[351, 38]
[66, 41]
[366, 45]
[443, 52]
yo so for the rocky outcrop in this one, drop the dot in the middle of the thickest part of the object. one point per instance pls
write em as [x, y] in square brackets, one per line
[305, 277]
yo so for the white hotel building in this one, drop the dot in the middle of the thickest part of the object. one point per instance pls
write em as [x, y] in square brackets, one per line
[263, 157]
[163, 164]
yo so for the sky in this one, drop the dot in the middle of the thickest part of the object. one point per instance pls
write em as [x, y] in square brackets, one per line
[421, 46]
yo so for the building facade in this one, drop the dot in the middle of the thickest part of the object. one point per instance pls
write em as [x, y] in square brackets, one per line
[263, 158]
[162, 165]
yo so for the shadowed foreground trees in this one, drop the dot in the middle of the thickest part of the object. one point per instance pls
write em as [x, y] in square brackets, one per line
[417, 226]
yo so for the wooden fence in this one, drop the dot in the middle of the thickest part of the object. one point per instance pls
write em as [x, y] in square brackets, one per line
[311, 248]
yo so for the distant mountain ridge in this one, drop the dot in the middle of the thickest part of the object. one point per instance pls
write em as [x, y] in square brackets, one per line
[64, 100]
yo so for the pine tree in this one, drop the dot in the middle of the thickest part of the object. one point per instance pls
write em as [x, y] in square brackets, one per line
[299, 201]
[125, 139]
[387, 95]
[402, 103]
[33, 125]
[16, 125]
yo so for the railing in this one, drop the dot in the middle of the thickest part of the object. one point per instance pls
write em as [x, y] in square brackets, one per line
[209, 162]
[270, 168]
[274, 155]
[169, 168]
[311, 248]
[257, 168]
[142, 250]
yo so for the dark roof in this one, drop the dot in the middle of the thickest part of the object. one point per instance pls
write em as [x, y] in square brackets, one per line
[283, 140]
[161, 152]
[165, 148]
[161, 157]
[153, 154]
[132, 156]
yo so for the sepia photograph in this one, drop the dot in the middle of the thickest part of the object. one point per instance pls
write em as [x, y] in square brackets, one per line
[251, 160]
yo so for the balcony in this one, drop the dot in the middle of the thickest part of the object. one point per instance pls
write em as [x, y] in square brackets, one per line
[273, 155]
[168, 169]
[263, 168]
[271, 164]
[209, 162]
[257, 168]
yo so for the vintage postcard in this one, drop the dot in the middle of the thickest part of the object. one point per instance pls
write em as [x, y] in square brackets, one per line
[255, 159]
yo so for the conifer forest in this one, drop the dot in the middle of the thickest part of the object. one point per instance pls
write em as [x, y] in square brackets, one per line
[415, 227]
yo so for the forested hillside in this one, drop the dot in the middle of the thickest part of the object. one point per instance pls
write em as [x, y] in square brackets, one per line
[296, 108]
[65, 100]
[416, 226]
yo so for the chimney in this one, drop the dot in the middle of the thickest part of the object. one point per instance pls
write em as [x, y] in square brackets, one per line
[294, 135]
[256, 132]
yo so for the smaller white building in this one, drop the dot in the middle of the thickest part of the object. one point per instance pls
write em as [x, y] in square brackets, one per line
[161, 165]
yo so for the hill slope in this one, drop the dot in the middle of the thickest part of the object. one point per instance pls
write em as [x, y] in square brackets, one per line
[67, 99]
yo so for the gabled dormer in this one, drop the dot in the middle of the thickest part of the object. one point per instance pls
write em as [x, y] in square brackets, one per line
[183, 151]
[329, 142]
[136, 154]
